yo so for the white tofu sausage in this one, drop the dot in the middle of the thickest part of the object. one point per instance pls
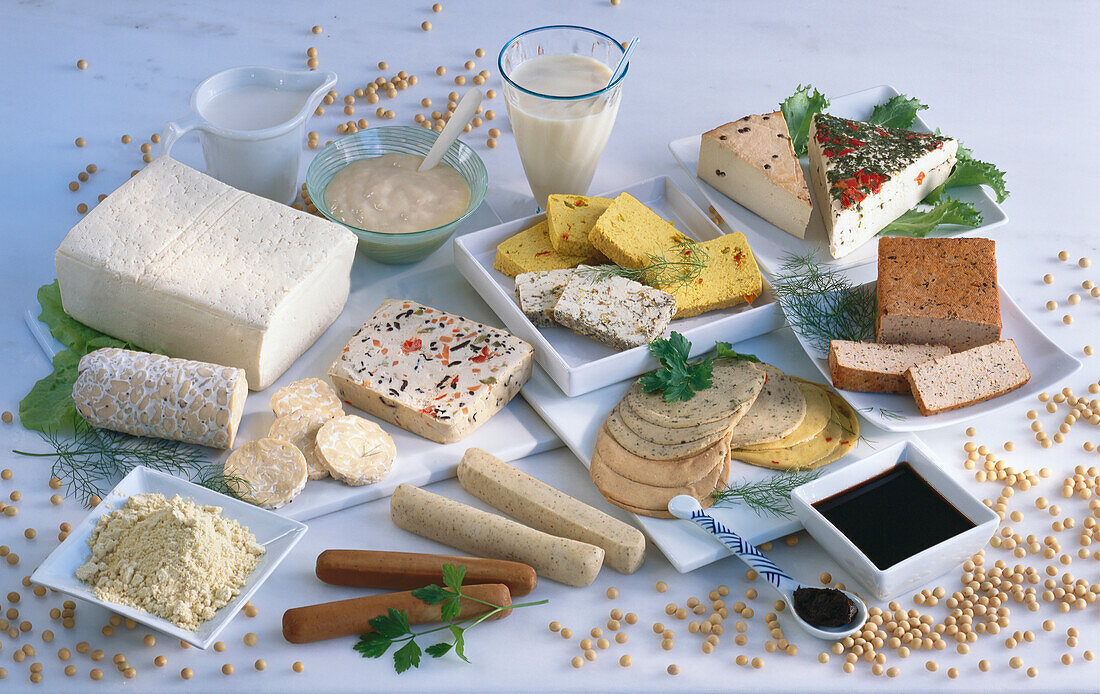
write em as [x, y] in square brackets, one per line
[153, 395]
[485, 534]
[545, 508]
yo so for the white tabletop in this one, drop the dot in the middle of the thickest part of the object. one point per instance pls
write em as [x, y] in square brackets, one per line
[1015, 81]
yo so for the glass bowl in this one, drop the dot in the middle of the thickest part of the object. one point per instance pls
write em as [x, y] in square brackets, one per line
[396, 249]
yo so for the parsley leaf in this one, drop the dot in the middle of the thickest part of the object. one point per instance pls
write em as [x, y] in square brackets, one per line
[460, 642]
[898, 112]
[432, 594]
[390, 626]
[677, 378]
[407, 656]
[972, 172]
[373, 645]
[438, 650]
[725, 351]
[453, 576]
[797, 110]
[919, 223]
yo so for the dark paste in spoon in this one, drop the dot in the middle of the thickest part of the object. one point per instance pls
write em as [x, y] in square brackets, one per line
[824, 607]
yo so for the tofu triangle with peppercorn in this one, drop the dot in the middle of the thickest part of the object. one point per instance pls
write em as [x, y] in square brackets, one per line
[866, 176]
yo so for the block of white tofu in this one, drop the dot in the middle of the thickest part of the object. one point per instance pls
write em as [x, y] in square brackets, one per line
[176, 261]
[617, 311]
[432, 373]
[537, 292]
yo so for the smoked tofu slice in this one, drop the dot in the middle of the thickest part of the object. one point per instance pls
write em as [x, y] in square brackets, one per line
[178, 262]
[866, 176]
[752, 162]
[432, 373]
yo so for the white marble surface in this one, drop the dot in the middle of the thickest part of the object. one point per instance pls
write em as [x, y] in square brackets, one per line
[1015, 81]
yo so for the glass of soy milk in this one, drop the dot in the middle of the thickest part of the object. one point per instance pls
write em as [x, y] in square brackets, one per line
[560, 103]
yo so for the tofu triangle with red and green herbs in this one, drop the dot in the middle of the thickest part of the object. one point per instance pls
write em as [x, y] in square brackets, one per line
[866, 176]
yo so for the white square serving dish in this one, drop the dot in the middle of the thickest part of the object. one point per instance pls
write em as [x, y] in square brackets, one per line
[919, 568]
[278, 535]
[771, 244]
[579, 364]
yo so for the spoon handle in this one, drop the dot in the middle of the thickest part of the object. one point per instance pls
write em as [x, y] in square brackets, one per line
[749, 554]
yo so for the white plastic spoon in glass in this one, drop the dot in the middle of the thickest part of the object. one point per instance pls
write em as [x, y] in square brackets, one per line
[467, 107]
[687, 508]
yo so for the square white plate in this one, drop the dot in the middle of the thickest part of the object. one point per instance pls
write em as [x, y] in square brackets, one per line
[1048, 363]
[770, 243]
[580, 364]
[687, 547]
[277, 534]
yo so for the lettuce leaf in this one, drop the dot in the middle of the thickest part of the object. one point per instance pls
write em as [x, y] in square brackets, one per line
[49, 404]
[797, 110]
[971, 172]
[919, 223]
[897, 112]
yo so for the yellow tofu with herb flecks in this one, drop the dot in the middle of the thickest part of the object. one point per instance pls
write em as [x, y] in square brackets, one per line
[729, 277]
[631, 234]
[530, 251]
[571, 218]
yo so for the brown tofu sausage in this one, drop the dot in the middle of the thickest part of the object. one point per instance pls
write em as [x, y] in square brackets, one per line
[407, 570]
[331, 620]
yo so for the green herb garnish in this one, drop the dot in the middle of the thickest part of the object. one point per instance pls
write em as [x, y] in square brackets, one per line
[393, 628]
[897, 112]
[679, 266]
[797, 110]
[920, 223]
[766, 497]
[91, 461]
[725, 351]
[677, 379]
[821, 304]
[969, 171]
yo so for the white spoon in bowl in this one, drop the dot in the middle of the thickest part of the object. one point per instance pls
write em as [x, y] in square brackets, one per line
[687, 508]
[465, 110]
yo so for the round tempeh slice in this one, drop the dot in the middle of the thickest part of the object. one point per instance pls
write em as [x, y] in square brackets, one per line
[354, 450]
[800, 456]
[776, 412]
[663, 435]
[818, 411]
[650, 500]
[735, 385]
[274, 472]
[648, 450]
[301, 430]
[306, 394]
[665, 473]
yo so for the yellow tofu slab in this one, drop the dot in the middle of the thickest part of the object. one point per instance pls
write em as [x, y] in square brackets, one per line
[571, 218]
[730, 277]
[530, 250]
[629, 233]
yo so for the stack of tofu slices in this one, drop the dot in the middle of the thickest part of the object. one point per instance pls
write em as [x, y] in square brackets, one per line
[650, 450]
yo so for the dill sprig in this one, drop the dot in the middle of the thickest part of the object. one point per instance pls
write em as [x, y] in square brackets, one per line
[821, 304]
[680, 265]
[91, 461]
[766, 497]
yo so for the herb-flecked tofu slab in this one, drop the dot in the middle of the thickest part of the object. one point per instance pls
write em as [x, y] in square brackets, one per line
[435, 374]
[617, 311]
[538, 292]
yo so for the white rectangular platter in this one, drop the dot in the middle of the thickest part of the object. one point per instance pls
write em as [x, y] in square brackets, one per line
[771, 244]
[513, 433]
[687, 547]
[580, 364]
[1048, 363]
[278, 535]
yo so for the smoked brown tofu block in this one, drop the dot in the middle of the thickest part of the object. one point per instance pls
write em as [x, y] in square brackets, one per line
[967, 378]
[871, 367]
[937, 291]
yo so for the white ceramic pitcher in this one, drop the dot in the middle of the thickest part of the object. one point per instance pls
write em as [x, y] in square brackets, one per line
[265, 161]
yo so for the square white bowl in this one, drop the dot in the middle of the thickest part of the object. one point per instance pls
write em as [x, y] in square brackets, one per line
[922, 566]
[278, 535]
[579, 364]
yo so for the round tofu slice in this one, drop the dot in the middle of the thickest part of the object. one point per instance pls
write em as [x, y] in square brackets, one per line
[818, 411]
[354, 450]
[735, 385]
[663, 473]
[670, 437]
[648, 450]
[301, 430]
[306, 394]
[777, 411]
[800, 456]
[649, 500]
[274, 472]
